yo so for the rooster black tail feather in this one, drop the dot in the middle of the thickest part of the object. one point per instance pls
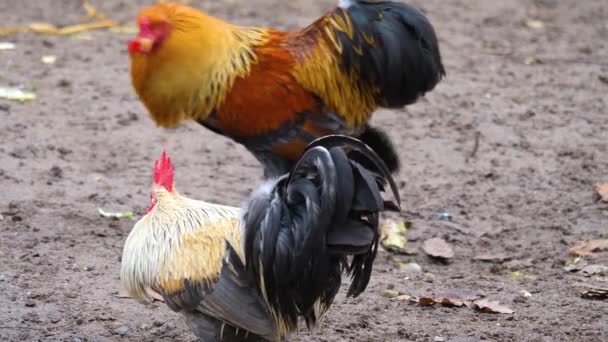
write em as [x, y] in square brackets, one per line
[301, 229]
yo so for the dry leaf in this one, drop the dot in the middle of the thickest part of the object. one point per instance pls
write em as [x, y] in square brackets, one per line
[486, 305]
[458, 297]
[602, 190]
[427, 301]
[438, 248]
[590, 248]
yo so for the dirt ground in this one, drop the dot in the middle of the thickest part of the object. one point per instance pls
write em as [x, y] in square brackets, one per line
[534, 97]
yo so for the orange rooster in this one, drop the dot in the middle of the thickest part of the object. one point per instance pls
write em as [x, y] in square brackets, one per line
[252, 275]
[274, 91]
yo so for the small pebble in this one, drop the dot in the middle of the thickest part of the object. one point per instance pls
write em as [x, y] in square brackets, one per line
[439, 339]
[411, 267]
[525, 294]
[445, 216]
[122, 330]
[390, 293]
[30, 303]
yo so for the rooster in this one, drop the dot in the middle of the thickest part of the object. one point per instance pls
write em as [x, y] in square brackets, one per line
[254, 274]
[274, 91]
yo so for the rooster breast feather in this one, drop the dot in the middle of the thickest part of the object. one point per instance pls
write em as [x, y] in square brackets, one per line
[193, 259]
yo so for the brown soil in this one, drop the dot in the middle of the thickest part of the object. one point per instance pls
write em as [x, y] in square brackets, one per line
[536, 97]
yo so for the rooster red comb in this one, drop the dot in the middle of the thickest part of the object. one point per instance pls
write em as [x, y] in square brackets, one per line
[163, 172]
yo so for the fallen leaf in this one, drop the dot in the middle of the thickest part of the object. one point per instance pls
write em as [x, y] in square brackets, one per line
[592, 270]
[7, 46]
[427, 301]
[16, 94]
[489, 306]
[118, 215]
[602, 191]
[458, 297]
[438, 248]
[590, 248]
[392, 235]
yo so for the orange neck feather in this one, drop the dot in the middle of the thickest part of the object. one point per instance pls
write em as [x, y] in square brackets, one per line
[188, 76]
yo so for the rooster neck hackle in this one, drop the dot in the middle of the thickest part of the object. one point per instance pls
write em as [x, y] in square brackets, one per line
[179, 240]
[341, 90]
[189, 75]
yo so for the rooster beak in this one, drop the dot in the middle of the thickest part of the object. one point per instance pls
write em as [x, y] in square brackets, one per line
[145, 44]
[141, 45]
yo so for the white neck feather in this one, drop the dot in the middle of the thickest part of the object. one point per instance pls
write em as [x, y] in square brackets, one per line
[345, 3]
